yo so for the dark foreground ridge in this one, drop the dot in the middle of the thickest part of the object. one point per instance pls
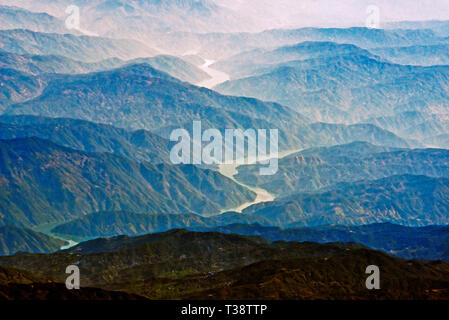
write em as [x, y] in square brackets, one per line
[180, 264]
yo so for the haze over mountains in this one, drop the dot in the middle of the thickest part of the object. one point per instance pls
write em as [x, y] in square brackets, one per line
[89, 49]
[87, 176]
[326, 88]
[40, 64]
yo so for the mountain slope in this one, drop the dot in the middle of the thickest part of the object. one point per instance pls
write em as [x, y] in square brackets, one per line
[315, 168]
[21, 285]
[339, 277]
[114, 223]
[39, 64]
[87, 136]
[18, 18]
[424, 55]
[423, 127]
[85, 48]
[348, 88]
[43, 183]
[140, 97]
[260, 61]
[180, 265]
[428, 243]
[13, 239]
[17, 86]
[405, 200]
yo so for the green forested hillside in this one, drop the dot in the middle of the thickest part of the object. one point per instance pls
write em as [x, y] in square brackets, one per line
[404, 199]
[42, 182]
[14, 239]
[180, 265]
[315, 168]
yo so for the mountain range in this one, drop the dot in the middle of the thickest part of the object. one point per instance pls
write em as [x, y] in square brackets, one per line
[406, 242]
[14, 239]
[13, 17]
[145, 98]
[46, 183]
[40, 64]
[140, 97]
[346, 88]
[140, 145]
[403, 199]
[189, 265]
[132, 19]
[87, 129]
[315, 168]
[428, 243]
[85, 48]
[223, 45]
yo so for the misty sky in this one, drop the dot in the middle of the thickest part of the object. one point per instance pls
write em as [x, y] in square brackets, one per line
[300, 13]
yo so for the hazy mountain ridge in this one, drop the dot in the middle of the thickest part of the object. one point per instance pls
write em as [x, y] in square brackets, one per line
[440, 27]
[144, 98]
[85, 48]
[348, 88]
[135, 88]
[142, 19]
[39, 64]
[425, 128]
[424, 55]
[224, 45]
[311, 53]
[18, 18]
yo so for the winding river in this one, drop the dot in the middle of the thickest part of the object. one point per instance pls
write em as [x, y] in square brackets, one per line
[228, 170]
[216, 76]
[262, 195]
[46, 229]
